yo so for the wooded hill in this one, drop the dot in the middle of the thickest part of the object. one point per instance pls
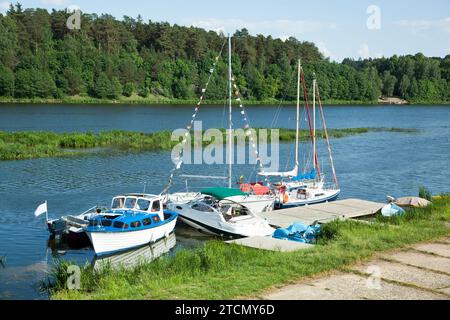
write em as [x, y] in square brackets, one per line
[109, 58]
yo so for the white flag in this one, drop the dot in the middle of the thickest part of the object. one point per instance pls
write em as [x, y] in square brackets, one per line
[41, 209]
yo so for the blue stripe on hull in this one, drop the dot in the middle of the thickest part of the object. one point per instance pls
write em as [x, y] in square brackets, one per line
[332, 198]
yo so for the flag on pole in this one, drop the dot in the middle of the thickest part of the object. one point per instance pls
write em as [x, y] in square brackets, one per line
[41, 209]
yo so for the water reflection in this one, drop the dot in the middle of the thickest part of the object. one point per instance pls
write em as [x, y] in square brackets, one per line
[135, 257]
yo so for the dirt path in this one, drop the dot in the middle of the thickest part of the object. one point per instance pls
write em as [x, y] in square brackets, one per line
[420, 272]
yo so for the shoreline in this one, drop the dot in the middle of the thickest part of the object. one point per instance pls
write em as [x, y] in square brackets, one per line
[165, 101]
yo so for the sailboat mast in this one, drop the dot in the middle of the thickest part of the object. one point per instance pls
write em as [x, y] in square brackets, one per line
[314, 123]
[298, 116]
[230, 137]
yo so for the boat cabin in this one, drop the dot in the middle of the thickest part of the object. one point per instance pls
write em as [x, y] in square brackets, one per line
[138, 202]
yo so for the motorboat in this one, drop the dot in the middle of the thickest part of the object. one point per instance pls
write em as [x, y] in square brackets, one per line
[224, 218]
[134, 220]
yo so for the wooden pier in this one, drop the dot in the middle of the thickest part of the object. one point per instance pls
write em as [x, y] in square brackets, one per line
[323, 213]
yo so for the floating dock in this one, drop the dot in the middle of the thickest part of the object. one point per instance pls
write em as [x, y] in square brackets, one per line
[322, 213]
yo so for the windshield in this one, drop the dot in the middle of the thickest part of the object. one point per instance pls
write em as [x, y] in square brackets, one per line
[143, 205]
[130, 203]
[118, 203]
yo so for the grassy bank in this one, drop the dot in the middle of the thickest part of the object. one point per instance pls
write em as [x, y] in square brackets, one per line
[160, 100]
[221, 271]
[29, 145]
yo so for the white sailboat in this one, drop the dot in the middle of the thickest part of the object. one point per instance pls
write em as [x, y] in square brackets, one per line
[225, 211]
[299, 189]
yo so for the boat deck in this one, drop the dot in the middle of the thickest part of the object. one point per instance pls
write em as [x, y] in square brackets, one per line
[323, 213]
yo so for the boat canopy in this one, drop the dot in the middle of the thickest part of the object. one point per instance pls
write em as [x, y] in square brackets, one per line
[288, 174]
[306, 176]
[223, 193]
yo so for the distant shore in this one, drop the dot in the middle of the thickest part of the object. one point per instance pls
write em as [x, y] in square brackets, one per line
[154, 100]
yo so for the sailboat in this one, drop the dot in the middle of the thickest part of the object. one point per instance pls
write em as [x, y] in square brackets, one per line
[299, 189]
[225, 211]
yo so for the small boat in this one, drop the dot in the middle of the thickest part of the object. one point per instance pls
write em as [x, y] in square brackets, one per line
[135, 220]
[296, 195]
[224, 218]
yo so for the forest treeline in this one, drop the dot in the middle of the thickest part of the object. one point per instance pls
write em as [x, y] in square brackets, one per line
[109, 58]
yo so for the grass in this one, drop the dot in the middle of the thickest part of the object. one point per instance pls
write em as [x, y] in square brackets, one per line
[40, 144]
[220, 271]
[160, 100]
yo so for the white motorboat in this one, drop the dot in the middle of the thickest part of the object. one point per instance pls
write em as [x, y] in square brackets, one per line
[135, 220]
[223, 218]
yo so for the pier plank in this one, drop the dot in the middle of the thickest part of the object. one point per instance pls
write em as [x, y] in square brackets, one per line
[323, 213]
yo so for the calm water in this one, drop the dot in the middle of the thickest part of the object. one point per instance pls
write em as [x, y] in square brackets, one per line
[369, 166]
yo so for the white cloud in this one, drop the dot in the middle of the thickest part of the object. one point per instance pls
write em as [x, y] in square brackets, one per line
[4, 6]
[416, 26]
[364, 51]
[54, 2]
[276, 28]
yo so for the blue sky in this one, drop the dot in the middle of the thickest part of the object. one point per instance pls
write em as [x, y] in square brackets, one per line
[339, 28]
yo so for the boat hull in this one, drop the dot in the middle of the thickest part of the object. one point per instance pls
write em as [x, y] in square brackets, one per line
[112, 242]
[218, 227]
[305, 202]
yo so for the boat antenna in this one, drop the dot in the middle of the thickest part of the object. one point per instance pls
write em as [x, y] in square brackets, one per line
[230, 133]
[298, 116]
[314, 121]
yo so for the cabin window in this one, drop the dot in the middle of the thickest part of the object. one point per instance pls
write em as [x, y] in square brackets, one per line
[202, 207]
[130, 203]
[156, 206]
[135, 224]
[146, 221]
[106, 223]
[118, 203]
[120, 225]
[143, 205]
[156, 219]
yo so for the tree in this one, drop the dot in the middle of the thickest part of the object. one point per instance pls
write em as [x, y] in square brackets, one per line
[128, 89]
[405, 85]
[116, 89]
[102, 87]
[389, 82]
[6, 82]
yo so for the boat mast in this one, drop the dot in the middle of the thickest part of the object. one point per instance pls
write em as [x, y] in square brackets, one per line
[230, 134]
[314, 122]
[298, 116]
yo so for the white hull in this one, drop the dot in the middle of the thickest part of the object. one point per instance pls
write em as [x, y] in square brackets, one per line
[325, 195]
[109, 242]
[213, 223]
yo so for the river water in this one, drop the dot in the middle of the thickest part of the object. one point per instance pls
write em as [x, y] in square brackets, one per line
[369, 166]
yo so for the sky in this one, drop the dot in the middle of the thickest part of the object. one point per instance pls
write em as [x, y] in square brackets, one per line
[340, 29]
